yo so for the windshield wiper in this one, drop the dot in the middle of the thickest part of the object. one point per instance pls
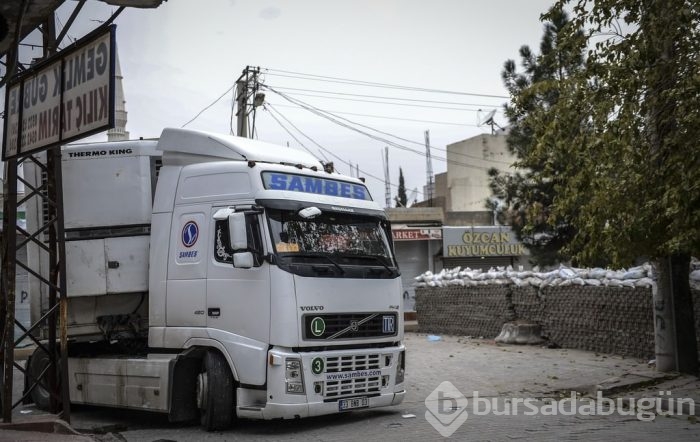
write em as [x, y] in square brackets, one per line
[376, 258]
[314, 255]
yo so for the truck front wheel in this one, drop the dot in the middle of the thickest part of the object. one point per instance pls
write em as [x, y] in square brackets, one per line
[215, 392]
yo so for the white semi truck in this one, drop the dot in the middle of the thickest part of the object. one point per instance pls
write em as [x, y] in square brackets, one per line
[212, 277]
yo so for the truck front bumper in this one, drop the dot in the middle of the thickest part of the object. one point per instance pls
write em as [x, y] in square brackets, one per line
[273, 410]
[341, 380]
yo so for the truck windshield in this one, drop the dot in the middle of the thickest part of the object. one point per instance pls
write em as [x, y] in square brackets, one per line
[345, 238]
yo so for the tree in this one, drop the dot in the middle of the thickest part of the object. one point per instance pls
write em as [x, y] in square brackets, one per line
[629, 125]
[524, 199]
[401, 198]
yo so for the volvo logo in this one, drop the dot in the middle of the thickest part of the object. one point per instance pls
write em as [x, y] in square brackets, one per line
[354, 326]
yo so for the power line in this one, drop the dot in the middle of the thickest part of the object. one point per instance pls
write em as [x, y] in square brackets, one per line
[298, 130]
[270, 108]
[210, 105]
[398, 137]
[364, 172]
[304, 76]
[327, 115]
[395, 118]
[382, 102]
[335, 119]
[457, 103]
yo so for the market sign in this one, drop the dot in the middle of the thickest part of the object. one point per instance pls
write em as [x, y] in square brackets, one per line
[416, 234]
[64, 98]
[459, 242]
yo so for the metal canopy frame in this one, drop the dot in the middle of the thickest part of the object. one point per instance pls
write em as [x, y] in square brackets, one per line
[49, 238]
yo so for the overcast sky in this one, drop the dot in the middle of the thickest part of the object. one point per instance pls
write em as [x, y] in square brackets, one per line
[177, 59]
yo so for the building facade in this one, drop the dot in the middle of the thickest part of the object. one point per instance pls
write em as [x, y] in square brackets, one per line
[454, 227]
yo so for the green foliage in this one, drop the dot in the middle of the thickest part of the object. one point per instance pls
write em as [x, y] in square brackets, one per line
[401, 198]
[528, 195]
[628, 127]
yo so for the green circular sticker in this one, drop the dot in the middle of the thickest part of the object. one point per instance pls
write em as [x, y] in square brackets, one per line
[317, 365]
[318, 326]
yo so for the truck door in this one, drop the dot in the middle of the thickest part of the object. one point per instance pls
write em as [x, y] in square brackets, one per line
[187, 267]
[238, 299]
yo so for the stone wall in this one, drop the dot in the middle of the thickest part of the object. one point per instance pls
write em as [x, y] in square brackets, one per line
[616, 320]
[449, 310]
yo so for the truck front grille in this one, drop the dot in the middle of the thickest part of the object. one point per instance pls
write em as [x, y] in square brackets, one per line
[337, 364]
[349, 325]
[352, 387]
[334, 389]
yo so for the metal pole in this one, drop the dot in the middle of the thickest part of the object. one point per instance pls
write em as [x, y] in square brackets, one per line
[428, 169]
[8, 279]
[54, 167]
[53, 278]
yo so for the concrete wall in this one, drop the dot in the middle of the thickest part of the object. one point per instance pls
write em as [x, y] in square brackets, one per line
[419, 216]
[468, 187]
[476, 218]
[604, 319]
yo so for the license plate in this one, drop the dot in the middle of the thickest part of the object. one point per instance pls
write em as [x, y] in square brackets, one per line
[349, 404]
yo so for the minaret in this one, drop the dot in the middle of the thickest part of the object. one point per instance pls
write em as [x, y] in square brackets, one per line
[119, 133]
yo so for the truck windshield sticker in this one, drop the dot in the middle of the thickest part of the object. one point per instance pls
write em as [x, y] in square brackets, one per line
[190, 233]
[310, 184]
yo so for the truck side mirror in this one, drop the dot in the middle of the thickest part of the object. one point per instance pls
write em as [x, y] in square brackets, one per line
[237, 231]
[243, 260]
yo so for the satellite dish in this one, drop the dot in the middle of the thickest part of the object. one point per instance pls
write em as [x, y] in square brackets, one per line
[488, 120]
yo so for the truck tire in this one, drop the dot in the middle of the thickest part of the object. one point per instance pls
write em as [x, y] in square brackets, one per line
[215, 392]
[37, 364]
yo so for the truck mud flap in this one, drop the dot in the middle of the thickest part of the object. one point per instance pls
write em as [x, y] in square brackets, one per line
[183, 382]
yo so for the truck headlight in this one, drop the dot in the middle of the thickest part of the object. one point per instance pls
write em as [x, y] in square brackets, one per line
[293, 376]
[400, 367]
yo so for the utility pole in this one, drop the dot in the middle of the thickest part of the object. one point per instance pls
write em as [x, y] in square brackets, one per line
[247, 87]
[428, 169]
[387, 188]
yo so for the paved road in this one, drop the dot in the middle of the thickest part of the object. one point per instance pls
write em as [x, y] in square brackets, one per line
[472, 366]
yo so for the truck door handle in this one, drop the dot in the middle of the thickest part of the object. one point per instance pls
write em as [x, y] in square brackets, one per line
[214, 312]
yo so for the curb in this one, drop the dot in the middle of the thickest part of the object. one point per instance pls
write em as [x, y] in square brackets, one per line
[672, 405]
[42, 424]
[631, 382]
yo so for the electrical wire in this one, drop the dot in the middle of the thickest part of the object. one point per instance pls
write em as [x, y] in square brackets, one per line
[382, 102]
[268, 107]
[396, 118]
[334, 113]
[304, 76]
[456, 103]
[335, 119]
[349, 164]
[210, 105]
[302, 133]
